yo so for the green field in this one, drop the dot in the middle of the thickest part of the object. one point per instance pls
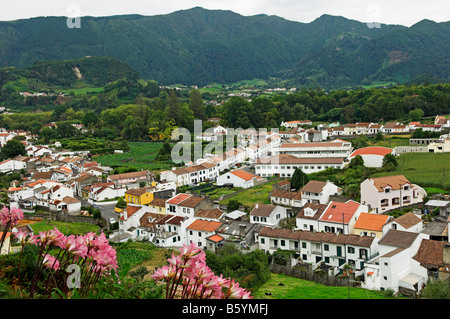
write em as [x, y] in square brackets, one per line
[253, 195]
[393, 141]
[72, 228]
[295, 288]
[141, 155]
[423, 169]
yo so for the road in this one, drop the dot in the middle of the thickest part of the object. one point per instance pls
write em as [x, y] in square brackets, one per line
[107, 211]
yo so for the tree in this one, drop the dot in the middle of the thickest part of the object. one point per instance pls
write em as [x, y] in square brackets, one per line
[90, 119]
[299, 179]
[13, 148]
[389, 162]
[437, 289]
[356, 161]
[173, 110]
[196, 104]
[416, 114]
[233, 205]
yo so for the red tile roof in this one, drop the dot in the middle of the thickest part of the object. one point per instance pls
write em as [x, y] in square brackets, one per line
[204, 225]
[339, 212]
[372, 150]
[178, 199]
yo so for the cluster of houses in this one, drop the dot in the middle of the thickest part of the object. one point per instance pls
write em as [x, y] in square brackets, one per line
[330, 231]
[54, 180]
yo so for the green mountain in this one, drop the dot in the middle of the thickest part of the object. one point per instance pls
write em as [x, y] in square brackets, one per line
[199, 46]
[95, 71]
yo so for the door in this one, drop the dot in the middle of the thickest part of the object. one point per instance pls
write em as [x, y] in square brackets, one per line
[339, 251]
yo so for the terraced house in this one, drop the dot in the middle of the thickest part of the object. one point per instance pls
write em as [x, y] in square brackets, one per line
[335, 250]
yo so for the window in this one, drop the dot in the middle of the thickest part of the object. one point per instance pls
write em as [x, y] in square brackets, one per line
[303, 245]
[283, 242]
[263, 241]
[351, 250]
[326, 247]
[387, 190]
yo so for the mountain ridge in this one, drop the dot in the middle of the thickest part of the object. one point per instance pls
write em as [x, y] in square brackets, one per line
[200, 46]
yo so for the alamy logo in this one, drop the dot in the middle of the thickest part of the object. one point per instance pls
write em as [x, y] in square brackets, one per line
[74, 17]
[73, 280]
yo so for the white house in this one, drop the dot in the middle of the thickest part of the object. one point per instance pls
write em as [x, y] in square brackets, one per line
[336, 148]
[191, 175]
[11, 165]
[284, 165]
[372, 155]
[186, 205]
[238, 178]
[308, 216]
[440, 147]
[396, 267]
[340, 218]
[407, 222]
[390, 192]
[69, 204]
[267, 214]
[318, 192]
[163, 230]
[199, 230]
[335, 250]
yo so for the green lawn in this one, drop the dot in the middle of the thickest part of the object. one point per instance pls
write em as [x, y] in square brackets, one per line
[141, 155]
[72, 228]
[423, 169]
[295, 288]
[253, 195]
[392, 142]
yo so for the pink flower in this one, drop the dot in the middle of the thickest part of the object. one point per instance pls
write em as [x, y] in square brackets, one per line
[164, 273]
[50, 262]
[12, 216]
[21, 236]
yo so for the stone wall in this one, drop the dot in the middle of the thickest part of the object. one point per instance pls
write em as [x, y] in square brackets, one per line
[305, 272]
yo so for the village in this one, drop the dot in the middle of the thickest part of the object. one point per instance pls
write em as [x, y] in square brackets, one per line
[331, 231]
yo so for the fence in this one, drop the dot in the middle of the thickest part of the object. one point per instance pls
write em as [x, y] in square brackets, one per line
[306, 272]
[60, 216]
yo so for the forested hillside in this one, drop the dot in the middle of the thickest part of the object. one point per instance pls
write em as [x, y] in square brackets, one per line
[199, 46]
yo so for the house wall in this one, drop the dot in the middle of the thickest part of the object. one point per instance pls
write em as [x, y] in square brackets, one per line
[233, 179]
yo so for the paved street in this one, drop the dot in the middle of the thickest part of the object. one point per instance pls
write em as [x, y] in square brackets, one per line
[107, 211]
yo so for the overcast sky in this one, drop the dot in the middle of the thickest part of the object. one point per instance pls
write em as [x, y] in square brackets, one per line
[404, 12]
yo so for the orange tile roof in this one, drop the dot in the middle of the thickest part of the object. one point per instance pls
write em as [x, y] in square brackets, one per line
[244, 174]
[372, 150]
[130, 210]
[394, 182]
[204, 225]
[371, 221]
[178, 199]
[215, 238]
[338, 212]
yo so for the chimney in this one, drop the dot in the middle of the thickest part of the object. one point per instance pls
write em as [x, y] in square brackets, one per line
[446, 254]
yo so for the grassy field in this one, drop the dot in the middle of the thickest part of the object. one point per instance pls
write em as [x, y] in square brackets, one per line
[141, 155]
[398, 140]
[251, 196]
[294, 288]
[424, 169]
[72, 228]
